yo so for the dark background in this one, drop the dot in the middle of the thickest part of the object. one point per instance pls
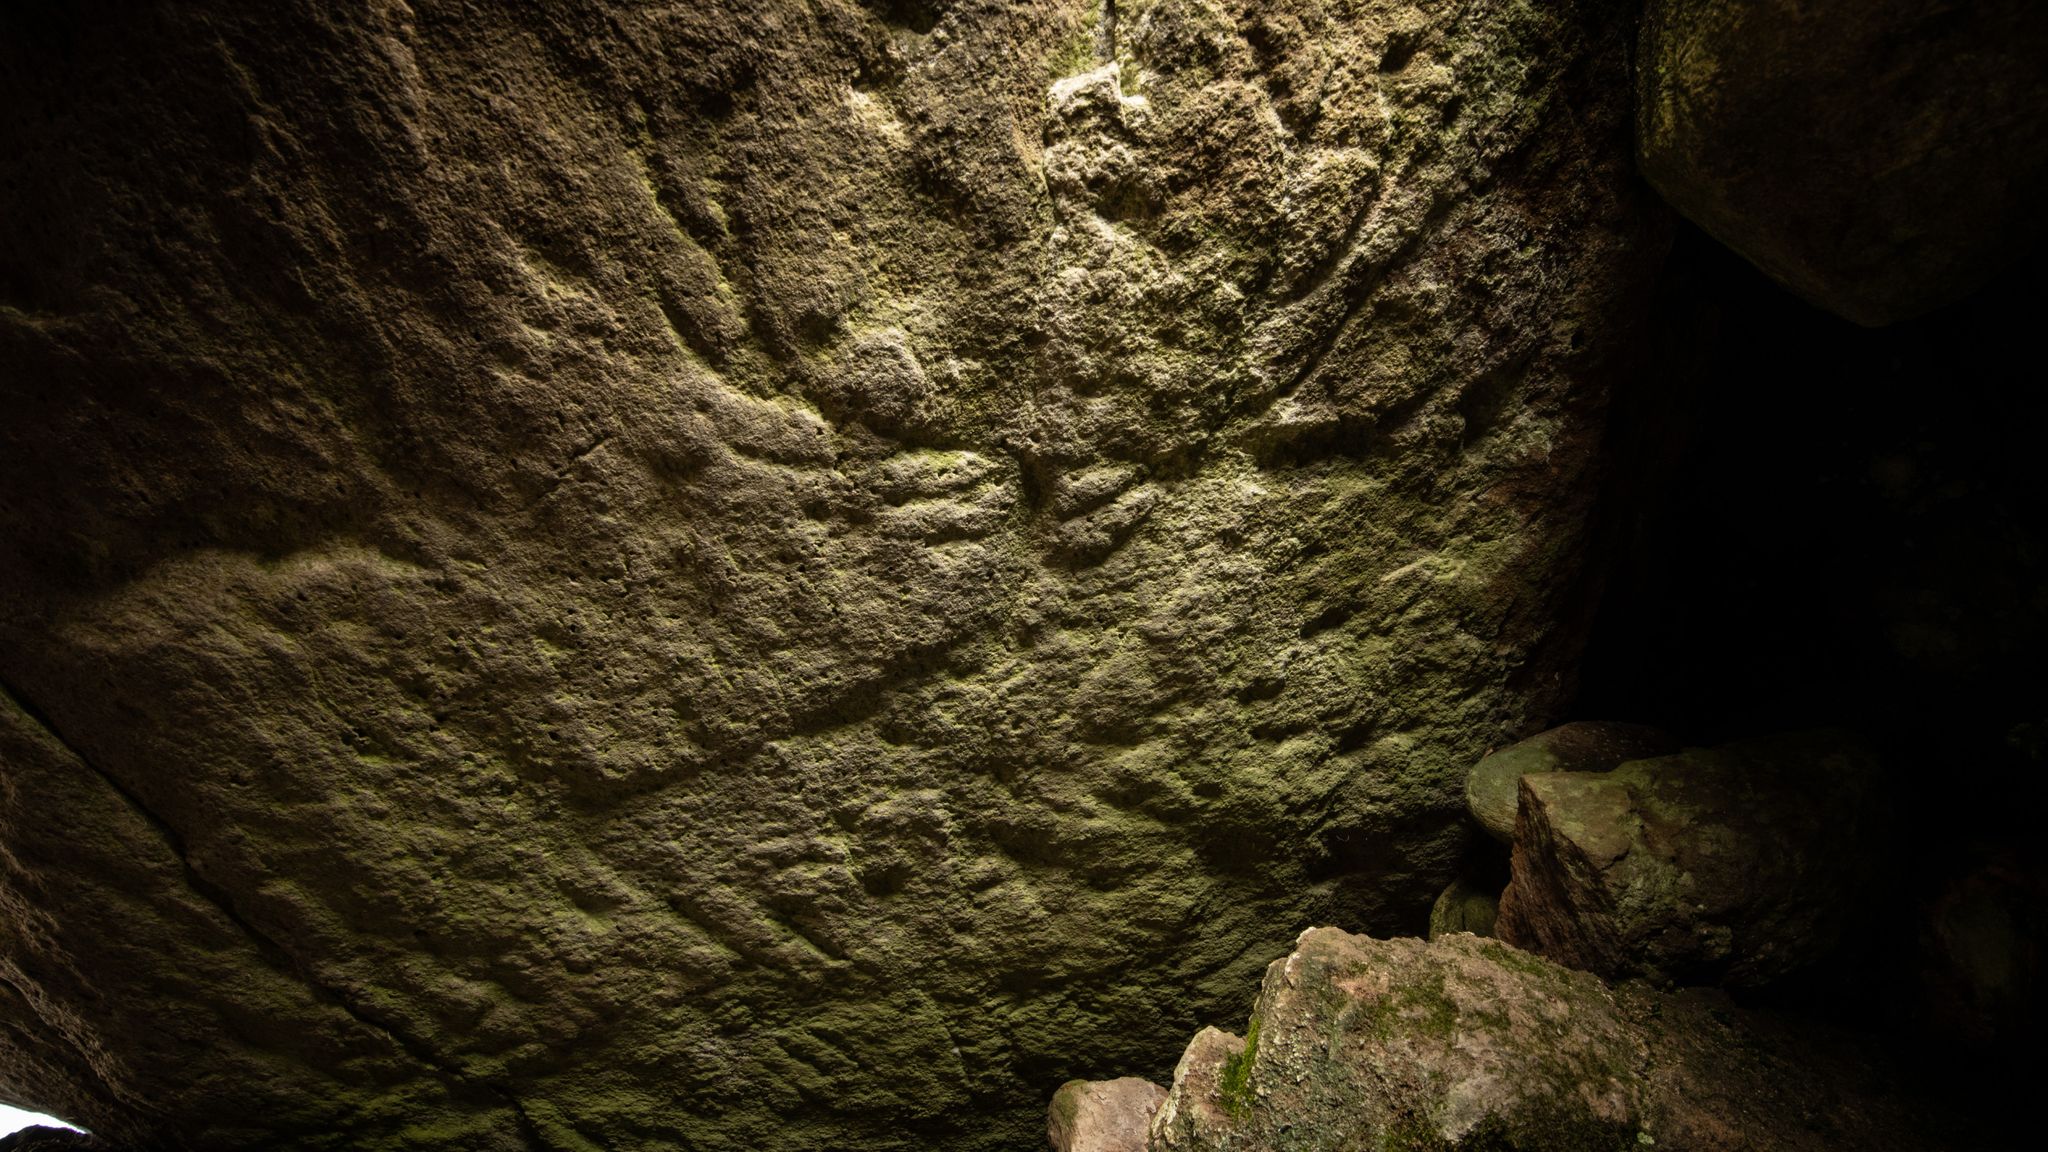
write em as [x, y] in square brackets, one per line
[1819, 524]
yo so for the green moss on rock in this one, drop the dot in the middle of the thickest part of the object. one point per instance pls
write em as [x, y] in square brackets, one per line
[1234, 1085]
[1473, 1046]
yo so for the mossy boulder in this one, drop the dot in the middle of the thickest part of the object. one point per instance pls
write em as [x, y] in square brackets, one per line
[762, 575]
[1736, 865]
[1463, 1043]
[1493, 788]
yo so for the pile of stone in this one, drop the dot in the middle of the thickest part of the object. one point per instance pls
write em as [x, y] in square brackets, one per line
[1736, 865]
[1646, 879]
[1469, 1043]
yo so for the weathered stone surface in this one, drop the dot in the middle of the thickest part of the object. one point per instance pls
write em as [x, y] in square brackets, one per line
[1103, 1115]
[1492, 789]
[760, 575]
[1734, 865]
[1880, 158]
[1464, 908]
[1468, 1043]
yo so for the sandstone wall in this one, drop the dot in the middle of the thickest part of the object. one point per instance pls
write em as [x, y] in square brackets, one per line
[761, 575]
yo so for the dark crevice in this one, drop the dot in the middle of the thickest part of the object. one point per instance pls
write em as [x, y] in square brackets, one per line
[1818, 524]
[1399, 52]
[459, 1081]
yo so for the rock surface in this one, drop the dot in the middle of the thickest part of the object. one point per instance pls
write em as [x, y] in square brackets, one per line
[761, 575]
[1103, 1115]
[1984, 956]
[1468, 1043]
[1733, 866]
[42, 1138]
[1493, 788]
[1879, 158]
[1462, 907]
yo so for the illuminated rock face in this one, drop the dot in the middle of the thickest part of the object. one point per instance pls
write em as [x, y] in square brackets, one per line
[1468, 1044]
[779, 575]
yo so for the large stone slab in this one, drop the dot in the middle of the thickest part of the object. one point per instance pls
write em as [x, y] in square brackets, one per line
[1464, 1043]
[1736, 865]
[1494, 787]
[761, 575]
[1880, 158]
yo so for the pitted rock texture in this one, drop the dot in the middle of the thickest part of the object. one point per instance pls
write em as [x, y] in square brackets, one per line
[761, 575]
[1880, 158]
[1464, 1043]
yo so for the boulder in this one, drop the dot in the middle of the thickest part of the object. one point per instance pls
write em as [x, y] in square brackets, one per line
[1464, 1043]
[756, 574]
[1464, 907]
[1880, 158]
[1581, 746]
[1735, 865]
[1103, 1115]
[1983, 941]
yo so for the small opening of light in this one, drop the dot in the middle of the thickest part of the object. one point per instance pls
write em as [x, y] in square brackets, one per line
[14, 1119]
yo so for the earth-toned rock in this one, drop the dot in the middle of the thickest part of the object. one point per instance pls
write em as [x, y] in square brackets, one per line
[744, 575]
[1735, 865]
[1491, 790]
[1465, 1043]
[1880, 158]
[1464, 907]
[43, 1138]
[1103, 1115]
[1982, 945]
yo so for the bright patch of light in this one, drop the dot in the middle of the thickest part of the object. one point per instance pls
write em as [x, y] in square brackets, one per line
[13, 1119]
